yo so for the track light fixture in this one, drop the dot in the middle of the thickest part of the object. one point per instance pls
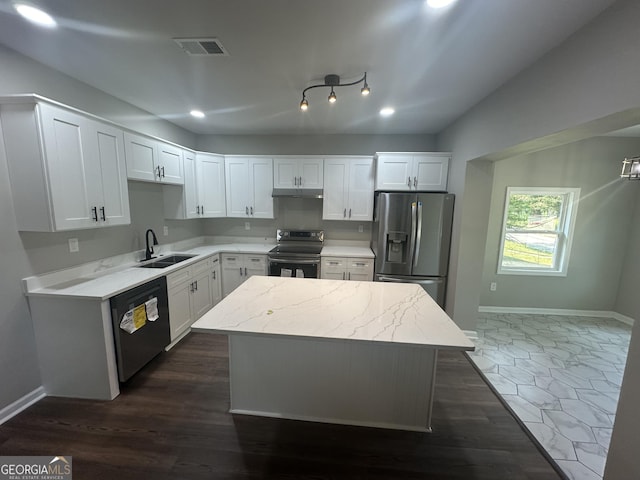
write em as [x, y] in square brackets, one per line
[333, 81]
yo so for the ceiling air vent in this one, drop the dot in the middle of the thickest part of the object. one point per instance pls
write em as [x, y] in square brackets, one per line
[202, 46]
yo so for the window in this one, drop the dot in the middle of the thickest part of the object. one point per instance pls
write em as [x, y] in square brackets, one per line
[537, 230]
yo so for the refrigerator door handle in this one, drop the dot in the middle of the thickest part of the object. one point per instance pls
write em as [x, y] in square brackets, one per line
[412, 247]
[418, 236]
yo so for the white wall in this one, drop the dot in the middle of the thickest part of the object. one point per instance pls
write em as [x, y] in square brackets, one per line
[23, 254]
[601, 229]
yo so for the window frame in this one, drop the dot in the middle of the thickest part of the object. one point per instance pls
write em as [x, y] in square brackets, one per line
[565, 231]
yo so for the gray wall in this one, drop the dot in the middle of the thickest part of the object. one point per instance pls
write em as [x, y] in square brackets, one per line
[602, 225]
[315, 144]
[24, 254]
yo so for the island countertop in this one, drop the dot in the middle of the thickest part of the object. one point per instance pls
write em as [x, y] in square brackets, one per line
[399, 313]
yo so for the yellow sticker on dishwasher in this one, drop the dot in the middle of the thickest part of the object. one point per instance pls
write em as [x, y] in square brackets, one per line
[139, 316]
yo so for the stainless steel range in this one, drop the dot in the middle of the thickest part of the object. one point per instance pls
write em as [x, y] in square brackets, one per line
[297, 253]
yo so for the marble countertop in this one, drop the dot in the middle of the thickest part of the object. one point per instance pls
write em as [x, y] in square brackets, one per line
[334, 309]
[347, 251]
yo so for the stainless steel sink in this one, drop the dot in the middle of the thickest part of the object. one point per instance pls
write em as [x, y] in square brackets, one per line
[164, 262]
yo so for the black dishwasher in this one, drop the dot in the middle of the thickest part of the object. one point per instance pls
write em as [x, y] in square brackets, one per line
[140, 318]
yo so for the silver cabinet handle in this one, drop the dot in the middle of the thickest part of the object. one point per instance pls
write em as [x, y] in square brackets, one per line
[344, 215]
[349, 275]
[191, 287]
[300, 181]
[246, 210]
[415, 182]
[245, 271]
[94, 213]
[349, 213]
[162, 172]
[240, 271]
[409, 182]
[198, 209]
[196, 283]
[103, 214]
[295, 181]
[158, 171]
[359, 264]
[202, 209]
[251, 209]
[213, 274]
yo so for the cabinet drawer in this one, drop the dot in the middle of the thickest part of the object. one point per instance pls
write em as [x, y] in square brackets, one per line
[178, 277]
[200, 267]
[360, 264]
[255, 261]
[232, 260]
[334, 264]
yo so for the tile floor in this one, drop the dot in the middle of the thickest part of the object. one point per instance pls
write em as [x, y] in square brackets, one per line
[561, 375]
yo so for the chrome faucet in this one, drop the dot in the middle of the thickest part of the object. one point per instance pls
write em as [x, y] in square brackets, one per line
[149, 250]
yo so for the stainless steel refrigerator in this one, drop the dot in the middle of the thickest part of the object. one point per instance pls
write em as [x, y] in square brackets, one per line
[411, 238]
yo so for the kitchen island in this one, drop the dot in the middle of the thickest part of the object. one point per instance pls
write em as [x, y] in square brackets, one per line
[355, 353]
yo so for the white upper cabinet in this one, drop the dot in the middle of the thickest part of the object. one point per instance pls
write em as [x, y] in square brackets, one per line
[298, 172]
[203, 194]
[67, 170]
[151, 160]
[249, 185]
[425, 172]
[348, 189]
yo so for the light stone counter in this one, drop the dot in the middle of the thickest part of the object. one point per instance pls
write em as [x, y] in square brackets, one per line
[347, 251]
[356, 353]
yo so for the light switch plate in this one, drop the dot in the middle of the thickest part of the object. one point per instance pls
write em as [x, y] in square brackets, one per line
[360, 228]
[247, 226]
[73, 245]
[165, 231]
[493, 287]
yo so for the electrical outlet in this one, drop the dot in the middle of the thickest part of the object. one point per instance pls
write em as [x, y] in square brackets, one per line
[73, 245]
[247, 226]
[165, 231]
[360, 228]
[493, 287]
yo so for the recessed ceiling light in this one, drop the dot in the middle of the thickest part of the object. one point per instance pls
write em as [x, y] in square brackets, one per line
[35, 15]
[439, 3]
[197, 113]
[387, 112]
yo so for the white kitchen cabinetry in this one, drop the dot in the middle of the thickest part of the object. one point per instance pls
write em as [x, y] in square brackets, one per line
[298, 172]
[249, 185]
[67, 170]
[412, 171]
[348, 189]
[216, 280]
[347, 268]
[237, 267]
[151, 160]
[190, 295]
[203, 193]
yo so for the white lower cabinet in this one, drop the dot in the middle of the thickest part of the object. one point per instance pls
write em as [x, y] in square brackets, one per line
[347, 268]
[190, 295]
[237, 267]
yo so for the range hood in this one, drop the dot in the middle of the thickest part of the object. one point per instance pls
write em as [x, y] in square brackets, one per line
[297, 193]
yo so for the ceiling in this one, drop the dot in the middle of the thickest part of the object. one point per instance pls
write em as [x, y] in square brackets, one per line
[430, 65]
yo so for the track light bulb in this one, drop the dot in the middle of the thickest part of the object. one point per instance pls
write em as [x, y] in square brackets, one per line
[365, 90]
[332, 96]
[304, 105]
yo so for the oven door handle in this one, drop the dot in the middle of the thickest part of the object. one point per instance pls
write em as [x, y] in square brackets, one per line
[294, 262]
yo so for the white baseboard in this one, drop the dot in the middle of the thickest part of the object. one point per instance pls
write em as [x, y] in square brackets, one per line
[21, 404]
[559, 311]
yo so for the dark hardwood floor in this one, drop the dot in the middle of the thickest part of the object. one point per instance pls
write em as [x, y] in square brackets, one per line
[171, 422]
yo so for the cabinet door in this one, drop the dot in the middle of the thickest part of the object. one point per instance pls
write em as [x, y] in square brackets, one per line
[311, 173]
[114, 208]
[360, 203]
[333, 268]
[190, 189]
[431, 172]
[74, 179]
[237, 187]
[394, 172]
[211, 191]
[335, 189]
[142, 157]
[360, 269]
[255, 265]
[261, 187]
[232, 272]
[285, 172]
[180, 317]
[216, 281]
[170, 163]
[201, 297]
